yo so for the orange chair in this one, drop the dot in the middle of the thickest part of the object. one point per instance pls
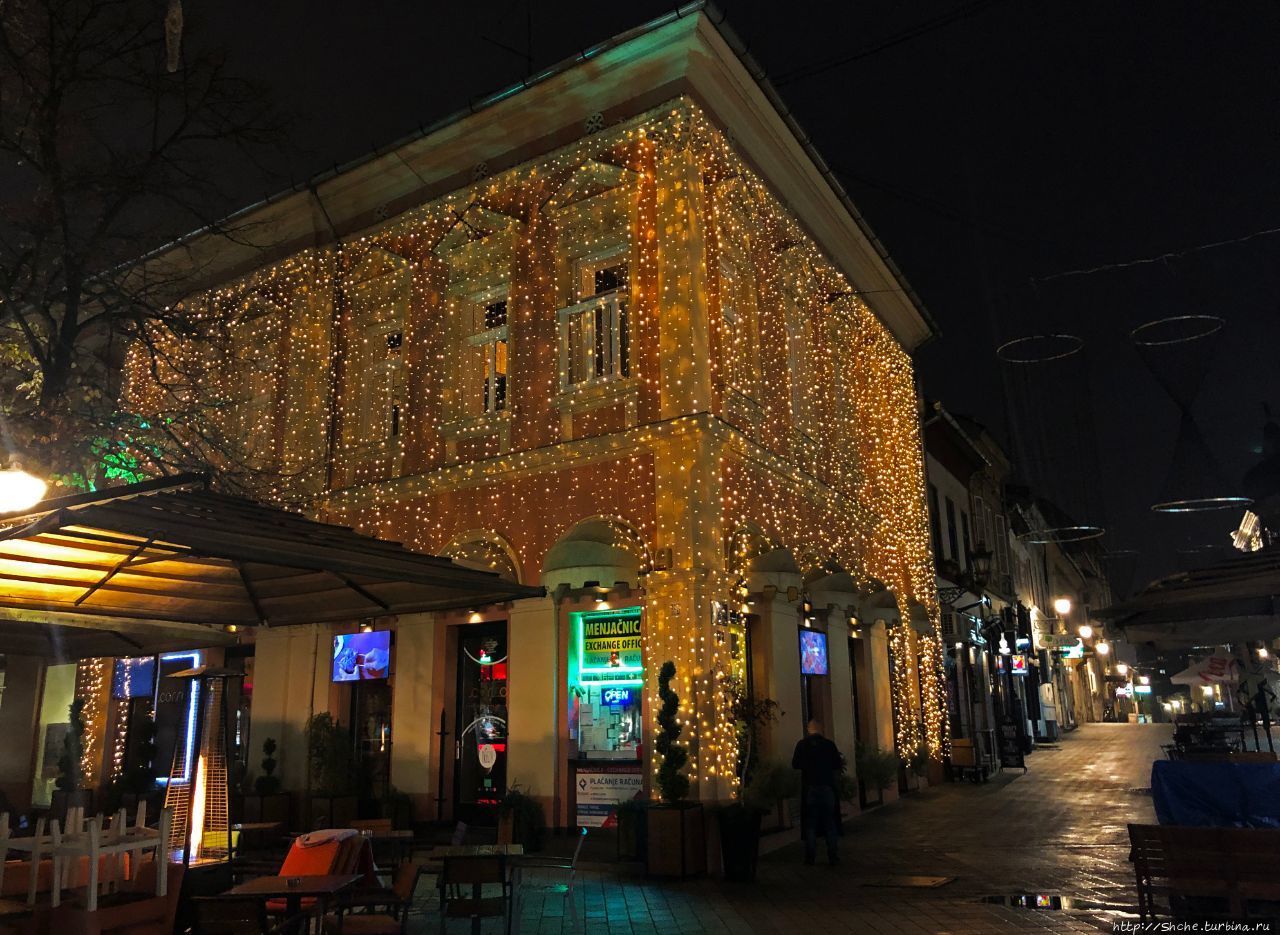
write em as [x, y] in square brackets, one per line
[337, 854]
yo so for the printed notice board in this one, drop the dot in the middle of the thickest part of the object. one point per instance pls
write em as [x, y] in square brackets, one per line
[601, 787]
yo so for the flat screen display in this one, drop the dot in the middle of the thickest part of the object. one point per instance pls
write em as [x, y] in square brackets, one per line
[813, 652]
[359, 656]
[133, 678]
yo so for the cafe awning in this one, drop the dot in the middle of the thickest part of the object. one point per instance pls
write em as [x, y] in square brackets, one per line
[169, 564]
[1227, 602]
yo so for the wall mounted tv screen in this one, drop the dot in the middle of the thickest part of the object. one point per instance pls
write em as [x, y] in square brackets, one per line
[359, 656]
[813, 652]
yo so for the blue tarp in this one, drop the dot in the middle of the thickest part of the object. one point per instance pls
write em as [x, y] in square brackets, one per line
[1218, 795]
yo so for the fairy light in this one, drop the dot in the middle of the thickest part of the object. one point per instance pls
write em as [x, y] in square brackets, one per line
[92, 684]
[353, 379]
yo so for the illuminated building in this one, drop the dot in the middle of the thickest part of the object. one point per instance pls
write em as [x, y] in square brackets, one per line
[616, 333]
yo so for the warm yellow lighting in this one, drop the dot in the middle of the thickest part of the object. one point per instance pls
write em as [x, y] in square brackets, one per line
[1062, 606]
[19, 490]
[474, 617]
[1207, 690]
[1122, 668]
[1102, 648]
[1144, 679]
[1086, 632]
[602, 604]
[1262, 652]
[197, 811]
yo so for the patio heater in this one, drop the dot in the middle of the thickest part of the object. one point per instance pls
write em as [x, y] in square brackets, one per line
[197, 793]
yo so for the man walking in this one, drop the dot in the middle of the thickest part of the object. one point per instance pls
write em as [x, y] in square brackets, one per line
[820, 765]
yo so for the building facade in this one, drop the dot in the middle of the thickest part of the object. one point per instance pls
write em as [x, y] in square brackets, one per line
[607, 335]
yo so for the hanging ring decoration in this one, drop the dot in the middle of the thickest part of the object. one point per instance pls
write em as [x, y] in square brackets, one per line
[1059, 534]
[1178, 329]
[1201, 504]
[1039, 348]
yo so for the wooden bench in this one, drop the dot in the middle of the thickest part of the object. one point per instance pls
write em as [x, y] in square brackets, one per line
[1206, 872]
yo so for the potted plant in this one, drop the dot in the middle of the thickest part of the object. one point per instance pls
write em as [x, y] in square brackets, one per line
[267, 802]
[631, 829]
[69, 790]
[920, 764]
[877, 770]
[773, 786]
[331, 767]
[739, 821]
[676, 837]
[398, 806]
[521, 819]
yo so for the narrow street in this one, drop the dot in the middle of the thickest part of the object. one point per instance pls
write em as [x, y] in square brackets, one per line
[1057, 831]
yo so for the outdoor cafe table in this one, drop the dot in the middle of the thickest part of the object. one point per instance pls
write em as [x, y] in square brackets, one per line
[294, 889]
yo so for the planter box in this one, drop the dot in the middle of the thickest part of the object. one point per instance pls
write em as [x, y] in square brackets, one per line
[739, 842]
[332, 811]
[677, 840]
[632, 836]
[274, 807]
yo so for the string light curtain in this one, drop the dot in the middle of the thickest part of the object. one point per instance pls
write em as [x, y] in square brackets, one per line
[758, 391]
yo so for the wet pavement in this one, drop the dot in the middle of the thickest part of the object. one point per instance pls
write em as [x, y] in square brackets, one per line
[1057, 832]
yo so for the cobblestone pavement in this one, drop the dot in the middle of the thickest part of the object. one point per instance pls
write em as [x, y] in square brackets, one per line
[1059, 831]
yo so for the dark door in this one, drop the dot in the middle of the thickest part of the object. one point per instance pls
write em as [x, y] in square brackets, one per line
[480, 777]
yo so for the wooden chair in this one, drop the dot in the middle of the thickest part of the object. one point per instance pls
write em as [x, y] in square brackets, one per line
[1205, 872]
[566, 870]
[477, 873]
[375, 825]
[396, 901]
[240, 915]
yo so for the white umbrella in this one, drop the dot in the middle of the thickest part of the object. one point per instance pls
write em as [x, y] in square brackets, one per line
[1219, 668]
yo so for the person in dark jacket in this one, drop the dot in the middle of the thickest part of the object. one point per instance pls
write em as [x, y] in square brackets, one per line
[820, 765]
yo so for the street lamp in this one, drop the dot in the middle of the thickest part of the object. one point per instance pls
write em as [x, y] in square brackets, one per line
[1102, 648]
[19, 490]
[980, 565]
[1144, 679]
[1122, 668]
[1085, 631]
[1062, 606]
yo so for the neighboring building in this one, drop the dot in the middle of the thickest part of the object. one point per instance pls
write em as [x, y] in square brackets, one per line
[1013, 599]
[602, 334]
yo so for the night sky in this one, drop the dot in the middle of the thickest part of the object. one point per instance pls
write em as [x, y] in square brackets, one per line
[989, 143]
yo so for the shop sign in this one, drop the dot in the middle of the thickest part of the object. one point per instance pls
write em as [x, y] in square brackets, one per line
[609, 646]
[601, 789]
[1122, 691]
[616, 696]
[1142, 689]
[1018, 664]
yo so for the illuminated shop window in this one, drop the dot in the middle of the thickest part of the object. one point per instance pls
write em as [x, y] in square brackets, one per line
[606, 675]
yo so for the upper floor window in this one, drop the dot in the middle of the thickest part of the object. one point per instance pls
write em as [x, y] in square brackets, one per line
[491, 366]
[595, 342]
[382, 387]
[477, 364]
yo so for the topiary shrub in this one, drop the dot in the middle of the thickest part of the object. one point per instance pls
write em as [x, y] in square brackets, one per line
[267, 783]
[673, 785]
[70, 775]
